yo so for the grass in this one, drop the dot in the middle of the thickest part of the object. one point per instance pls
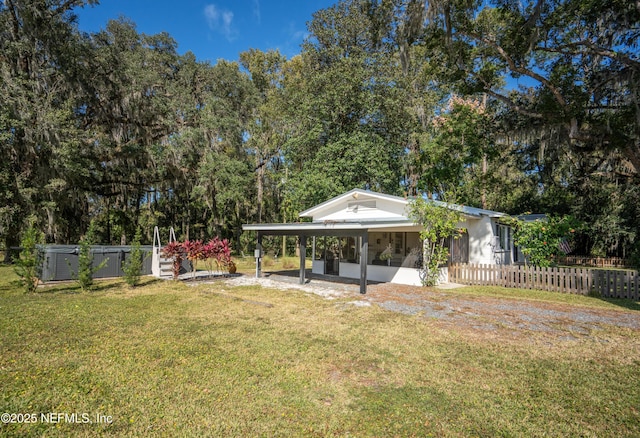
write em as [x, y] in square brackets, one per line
[247, 265]
[165, 359]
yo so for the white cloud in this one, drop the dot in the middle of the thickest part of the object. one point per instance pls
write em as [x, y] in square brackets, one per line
[220, 20]
[295, 34]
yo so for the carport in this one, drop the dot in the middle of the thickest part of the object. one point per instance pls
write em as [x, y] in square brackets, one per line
[304, 230]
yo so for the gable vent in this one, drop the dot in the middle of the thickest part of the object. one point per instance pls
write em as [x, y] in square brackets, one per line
[359, 205]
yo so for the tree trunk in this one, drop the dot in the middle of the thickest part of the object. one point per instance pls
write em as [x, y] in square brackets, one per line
[260, 187]
[484, 182]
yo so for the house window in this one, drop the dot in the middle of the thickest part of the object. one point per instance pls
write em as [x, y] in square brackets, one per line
[413, 251]
[399, 245]
[385, 249]
[503, 237]
[328, 248]
[381, 250]
[321, 244]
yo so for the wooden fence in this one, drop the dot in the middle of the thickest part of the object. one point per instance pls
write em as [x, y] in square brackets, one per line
[597, 262]
[583, 281]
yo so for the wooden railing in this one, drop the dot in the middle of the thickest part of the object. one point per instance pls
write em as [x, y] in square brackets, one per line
[584, 281]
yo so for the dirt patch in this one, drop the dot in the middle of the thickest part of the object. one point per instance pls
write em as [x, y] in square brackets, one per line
[503, 318]
[507, 316]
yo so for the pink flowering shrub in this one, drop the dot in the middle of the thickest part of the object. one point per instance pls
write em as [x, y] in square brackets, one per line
[176, 252]
[216, 251]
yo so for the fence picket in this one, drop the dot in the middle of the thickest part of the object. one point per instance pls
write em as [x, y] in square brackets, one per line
[570, 280]
[609, 284]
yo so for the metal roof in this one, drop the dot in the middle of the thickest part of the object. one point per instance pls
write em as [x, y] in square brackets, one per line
[330, 227]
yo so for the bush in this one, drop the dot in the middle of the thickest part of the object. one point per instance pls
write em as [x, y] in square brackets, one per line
[289, 262]
[174, 251]
[541, 241]
[132, 266]
[267, 261]
[84, 276]
[28, 266]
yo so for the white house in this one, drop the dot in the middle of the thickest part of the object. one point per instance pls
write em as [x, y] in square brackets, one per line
[368, 235]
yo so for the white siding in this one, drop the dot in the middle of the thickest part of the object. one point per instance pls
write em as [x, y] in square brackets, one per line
[481, 241]
[317, 267]
[389, 274]
[385, 209]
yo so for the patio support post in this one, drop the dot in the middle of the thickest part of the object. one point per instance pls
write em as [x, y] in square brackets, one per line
[303, 254]
[364, 250]
[259, 256]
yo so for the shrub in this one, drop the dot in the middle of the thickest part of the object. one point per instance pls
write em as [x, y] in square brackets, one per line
[218, 251]
[542, 240]
[132, 266]
[28, 266]
[267, 261]
[175, 251]
[84, 276]
[289, 262]
[215, 251]
[194, 251]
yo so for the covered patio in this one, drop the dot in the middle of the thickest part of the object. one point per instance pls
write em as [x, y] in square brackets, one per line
[365, 235]
[304, 231]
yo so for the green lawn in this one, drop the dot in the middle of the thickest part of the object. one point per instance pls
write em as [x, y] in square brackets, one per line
[170, 360]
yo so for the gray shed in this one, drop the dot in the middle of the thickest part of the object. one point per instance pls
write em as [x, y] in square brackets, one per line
[60, 261]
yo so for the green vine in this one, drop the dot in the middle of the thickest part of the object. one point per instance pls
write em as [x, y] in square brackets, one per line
[439, 224]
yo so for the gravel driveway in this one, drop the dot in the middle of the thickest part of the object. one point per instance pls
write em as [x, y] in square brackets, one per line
[504, 316]
[500, 314]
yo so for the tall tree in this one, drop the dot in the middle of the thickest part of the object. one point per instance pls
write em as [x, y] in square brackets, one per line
[341, 95]
[576, 113]
[127, 112]
[38, 139]
[268, 130]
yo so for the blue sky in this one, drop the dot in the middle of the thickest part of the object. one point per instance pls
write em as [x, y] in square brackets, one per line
[213, 29]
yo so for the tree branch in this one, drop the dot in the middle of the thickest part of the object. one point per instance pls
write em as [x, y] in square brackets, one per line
[511, 104]
[602, 51]
[515, 68]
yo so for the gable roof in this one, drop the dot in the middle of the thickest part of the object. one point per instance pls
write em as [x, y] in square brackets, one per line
[354, 194]
[359, 194]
